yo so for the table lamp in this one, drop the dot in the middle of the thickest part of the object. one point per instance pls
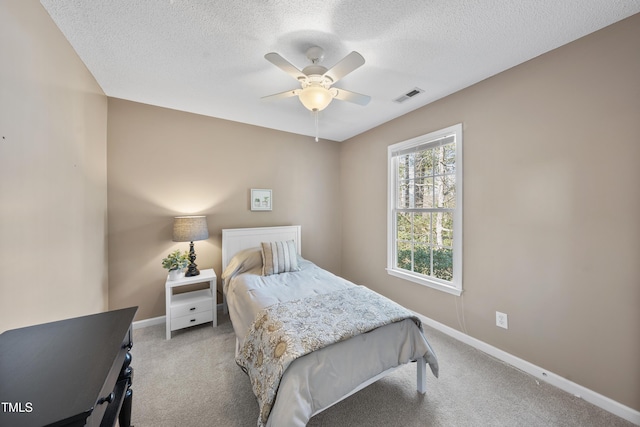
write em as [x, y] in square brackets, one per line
[190, 229]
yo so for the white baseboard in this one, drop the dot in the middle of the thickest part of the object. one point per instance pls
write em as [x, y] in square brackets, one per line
[160, 320]
[562, 383]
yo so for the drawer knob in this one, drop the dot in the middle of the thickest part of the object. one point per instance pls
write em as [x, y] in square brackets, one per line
[193, 320]
[110, 398]
[192, 308]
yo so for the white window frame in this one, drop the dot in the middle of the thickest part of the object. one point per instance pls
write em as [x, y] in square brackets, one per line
[431, 139]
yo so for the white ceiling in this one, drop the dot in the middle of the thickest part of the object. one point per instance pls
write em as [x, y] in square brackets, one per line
[207, 57]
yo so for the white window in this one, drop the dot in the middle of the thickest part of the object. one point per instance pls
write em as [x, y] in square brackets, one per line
[424, 242]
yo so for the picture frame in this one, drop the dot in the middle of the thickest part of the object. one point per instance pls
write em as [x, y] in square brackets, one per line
[261, 199]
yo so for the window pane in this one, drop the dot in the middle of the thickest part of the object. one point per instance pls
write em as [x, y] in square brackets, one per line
[404, 226]
[446, 191]
[404, 255]
[405, 192]
[424, 193]
[443, 263]
[418, 188]
[443, 228]
[411, 166]
[437, 160]
[420, 191]
[406, 167]
[424, 163]
[444, 159]
[422, 259]
[447, 229]
[422, 227]
[449, 158]
[402, 166]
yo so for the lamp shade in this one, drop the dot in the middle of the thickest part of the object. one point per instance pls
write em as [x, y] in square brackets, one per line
[315, 98]
[190, 228]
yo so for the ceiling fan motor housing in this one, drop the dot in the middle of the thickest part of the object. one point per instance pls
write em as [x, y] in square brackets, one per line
[314, 70]
[315, 78]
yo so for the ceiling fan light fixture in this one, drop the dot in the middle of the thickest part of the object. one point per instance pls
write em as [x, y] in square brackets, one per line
[315, 98]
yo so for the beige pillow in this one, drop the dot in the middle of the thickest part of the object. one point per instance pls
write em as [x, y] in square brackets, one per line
[279, 257]
[244, 260]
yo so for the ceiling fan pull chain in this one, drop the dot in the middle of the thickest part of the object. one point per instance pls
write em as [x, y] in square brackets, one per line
[316, 113]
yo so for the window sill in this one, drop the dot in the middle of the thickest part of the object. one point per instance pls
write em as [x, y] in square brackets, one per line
[425, 282]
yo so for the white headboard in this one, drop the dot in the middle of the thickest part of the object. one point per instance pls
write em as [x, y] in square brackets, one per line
[237, 239]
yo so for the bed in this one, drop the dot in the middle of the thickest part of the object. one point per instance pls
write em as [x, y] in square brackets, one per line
[307, 338]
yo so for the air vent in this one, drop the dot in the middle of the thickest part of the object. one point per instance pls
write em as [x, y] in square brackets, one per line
[413, 92]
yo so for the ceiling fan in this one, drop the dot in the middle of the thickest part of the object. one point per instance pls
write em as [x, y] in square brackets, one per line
[316, 80]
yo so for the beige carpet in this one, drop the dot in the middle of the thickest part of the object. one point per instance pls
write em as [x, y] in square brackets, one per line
[192, 380]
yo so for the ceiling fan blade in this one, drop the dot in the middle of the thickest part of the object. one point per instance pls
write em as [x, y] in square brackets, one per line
[284, 65]
[281, 95]
[346, 95]
[344, 67]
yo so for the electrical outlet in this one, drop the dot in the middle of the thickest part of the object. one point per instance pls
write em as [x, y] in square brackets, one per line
[502, 320]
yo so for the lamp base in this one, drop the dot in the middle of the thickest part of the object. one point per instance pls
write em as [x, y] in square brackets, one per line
[192, 270]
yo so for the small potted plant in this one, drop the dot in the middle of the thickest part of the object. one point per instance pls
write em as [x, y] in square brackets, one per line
[176, 262]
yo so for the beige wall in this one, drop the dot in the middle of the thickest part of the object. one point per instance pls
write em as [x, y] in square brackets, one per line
[551, 211]
[53, 193]
[163, 163]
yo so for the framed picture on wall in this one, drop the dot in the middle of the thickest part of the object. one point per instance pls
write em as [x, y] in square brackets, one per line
[261, 199]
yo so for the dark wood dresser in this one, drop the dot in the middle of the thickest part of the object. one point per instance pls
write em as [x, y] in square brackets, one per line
[73, 372]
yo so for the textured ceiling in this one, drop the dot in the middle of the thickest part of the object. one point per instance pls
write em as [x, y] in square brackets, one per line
[207, 57]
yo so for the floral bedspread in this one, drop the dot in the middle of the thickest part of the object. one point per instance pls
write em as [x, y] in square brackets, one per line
[283, 332]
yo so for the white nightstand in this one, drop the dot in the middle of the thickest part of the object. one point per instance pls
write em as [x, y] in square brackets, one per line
[191, 308]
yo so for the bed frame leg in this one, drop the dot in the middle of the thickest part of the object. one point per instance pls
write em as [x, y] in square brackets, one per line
[422, 375]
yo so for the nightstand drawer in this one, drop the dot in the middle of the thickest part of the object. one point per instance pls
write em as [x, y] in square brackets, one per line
[191, 320]
[191, 303]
